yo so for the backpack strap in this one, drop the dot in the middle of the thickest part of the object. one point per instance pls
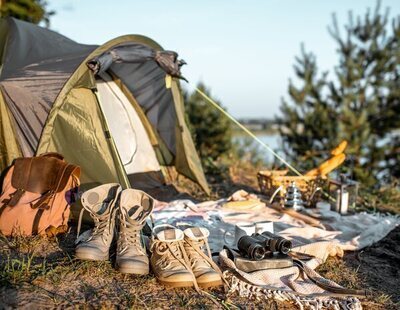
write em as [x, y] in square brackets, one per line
[36, 221]
[44, 202]
[24, 168]
[15, 197]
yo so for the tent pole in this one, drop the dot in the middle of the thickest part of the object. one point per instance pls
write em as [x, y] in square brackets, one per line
[121, 171]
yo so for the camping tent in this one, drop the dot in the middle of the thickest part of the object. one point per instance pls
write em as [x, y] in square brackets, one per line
[111, 109]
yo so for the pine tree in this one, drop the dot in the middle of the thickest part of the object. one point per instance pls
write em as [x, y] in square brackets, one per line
[33, 11]
[211, 131]
[307, 127]
[359, 102]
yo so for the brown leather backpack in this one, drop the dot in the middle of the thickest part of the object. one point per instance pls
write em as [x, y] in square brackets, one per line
[36, 195]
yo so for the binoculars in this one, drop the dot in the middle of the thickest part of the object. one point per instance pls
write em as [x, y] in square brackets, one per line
[260, 246]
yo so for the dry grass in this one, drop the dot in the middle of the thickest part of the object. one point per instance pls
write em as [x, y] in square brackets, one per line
[41, 273]
[341, 272]
[38, 272]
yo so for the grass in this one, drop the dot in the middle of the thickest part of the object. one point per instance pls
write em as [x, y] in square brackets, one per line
[386, 200]
[339, 271]
[40, 272]
[53, 277]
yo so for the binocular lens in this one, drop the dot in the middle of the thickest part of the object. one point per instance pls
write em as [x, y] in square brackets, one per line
[259, 246]
[258, 253]
[251, 248]
[275, 243]
[285, 246]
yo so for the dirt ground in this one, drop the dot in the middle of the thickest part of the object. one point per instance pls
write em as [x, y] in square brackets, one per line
[379, 266]
[41, 273]
[375, 268]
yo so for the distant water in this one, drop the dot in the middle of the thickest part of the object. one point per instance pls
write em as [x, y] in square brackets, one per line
[273, 141]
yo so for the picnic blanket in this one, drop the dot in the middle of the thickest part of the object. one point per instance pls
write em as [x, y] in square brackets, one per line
[340, 233]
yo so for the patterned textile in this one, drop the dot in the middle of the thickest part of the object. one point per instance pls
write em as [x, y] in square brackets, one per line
[336, 234]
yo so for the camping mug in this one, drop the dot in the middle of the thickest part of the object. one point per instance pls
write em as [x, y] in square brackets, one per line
[241, 229]
[264, 226]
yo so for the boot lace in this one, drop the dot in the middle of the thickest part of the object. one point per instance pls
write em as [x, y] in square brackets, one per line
[170, 252]
[102, 227]
[173, 253]
[197, 255]
[130, 236]
[194, 258]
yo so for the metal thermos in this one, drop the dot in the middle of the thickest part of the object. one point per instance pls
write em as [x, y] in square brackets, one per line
[293, 199]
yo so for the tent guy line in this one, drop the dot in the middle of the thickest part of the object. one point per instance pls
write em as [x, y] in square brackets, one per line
[266, 146]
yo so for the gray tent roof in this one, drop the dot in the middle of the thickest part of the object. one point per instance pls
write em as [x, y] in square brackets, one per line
[36, 64]
[29, 45]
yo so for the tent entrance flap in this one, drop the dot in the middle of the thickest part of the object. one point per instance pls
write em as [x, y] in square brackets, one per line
[51, 101]
[131, 139]
[77, 132]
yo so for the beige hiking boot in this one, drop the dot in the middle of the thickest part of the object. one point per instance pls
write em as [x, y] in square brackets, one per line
[100, 203]
[134, 208]
[205, 270]
[168, 260]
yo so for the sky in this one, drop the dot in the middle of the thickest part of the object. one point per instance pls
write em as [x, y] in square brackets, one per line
[242, 50]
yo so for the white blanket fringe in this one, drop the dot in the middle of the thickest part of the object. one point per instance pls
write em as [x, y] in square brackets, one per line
[257, 293]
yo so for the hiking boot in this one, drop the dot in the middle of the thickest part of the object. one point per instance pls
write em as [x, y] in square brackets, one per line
[168, 260]
[134, 208]
[205, 270]
[100, 203]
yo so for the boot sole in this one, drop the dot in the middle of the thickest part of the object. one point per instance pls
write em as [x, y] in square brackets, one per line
[176, 284]
[133, 271]
[210, 284]
[87, 256]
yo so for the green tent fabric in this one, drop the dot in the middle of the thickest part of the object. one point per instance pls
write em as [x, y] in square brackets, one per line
[120, 124]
